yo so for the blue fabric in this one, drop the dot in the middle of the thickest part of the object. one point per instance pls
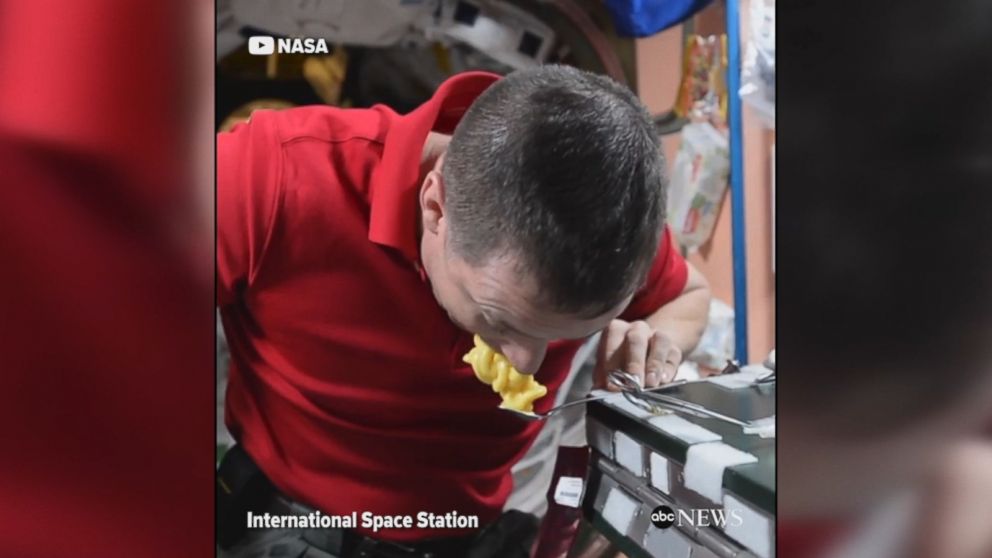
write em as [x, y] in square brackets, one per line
[642, 18]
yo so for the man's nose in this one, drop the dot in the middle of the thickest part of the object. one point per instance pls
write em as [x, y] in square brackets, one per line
[525, 357]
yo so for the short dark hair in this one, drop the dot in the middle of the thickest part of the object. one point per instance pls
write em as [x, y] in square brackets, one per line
[562, 168]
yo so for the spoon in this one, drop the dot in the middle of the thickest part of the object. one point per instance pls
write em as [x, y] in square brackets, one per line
[643, 398]
[615, 378]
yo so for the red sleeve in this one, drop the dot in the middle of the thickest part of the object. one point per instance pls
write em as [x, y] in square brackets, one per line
[664, 283]
[248, 193]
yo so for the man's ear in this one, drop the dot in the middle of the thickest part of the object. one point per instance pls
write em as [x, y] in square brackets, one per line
[432, 201]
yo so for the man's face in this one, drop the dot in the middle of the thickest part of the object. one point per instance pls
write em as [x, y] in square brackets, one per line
[496, 302]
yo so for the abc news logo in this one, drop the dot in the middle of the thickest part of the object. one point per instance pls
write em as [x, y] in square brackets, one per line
[263, 45]
[664, 517]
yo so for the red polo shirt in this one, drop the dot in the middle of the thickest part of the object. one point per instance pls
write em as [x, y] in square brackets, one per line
[347, 384]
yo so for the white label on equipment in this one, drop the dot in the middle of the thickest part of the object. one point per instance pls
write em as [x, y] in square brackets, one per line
[569, 491]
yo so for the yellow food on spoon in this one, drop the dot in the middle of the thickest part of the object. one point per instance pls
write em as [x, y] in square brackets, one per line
[519, 391]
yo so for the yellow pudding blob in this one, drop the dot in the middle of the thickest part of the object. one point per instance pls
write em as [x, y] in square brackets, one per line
[519, 391]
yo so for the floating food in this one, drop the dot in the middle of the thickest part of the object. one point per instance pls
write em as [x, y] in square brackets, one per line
[519, 391]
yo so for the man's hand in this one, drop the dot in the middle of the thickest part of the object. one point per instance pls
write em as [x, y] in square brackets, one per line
[652, 349]
[639, 349]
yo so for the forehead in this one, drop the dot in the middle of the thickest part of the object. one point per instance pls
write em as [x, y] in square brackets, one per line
[504, 292]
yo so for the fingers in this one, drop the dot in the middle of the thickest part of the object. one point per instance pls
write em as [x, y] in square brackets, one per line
[616, 333]
[663, 360]
[609, 356]
[636, 350]
[671, 367]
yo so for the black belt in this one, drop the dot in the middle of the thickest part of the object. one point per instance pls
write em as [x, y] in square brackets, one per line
[241, 486]
[351, 544]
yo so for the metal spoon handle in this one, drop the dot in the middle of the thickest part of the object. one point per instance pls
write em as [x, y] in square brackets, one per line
[577, 402]
[626, 382]
[604, 396]
[692, 408]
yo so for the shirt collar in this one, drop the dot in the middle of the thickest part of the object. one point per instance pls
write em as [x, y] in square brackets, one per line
[394, 184]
